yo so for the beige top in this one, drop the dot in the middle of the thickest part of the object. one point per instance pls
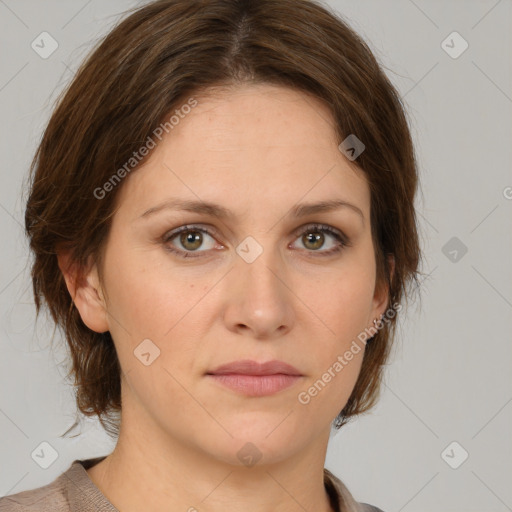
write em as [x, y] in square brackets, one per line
[74, 491]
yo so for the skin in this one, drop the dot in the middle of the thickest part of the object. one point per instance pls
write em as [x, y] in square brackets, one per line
[257, 150]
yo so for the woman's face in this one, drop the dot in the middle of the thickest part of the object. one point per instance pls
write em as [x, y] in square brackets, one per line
[260, 283]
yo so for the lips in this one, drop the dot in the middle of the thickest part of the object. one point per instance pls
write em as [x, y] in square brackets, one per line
[249, 367]
[254, 379]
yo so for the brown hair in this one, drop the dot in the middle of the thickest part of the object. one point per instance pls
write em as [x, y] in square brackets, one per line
[168, 50]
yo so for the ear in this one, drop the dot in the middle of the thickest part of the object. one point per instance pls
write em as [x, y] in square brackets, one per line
[381, 295]
[85, 290]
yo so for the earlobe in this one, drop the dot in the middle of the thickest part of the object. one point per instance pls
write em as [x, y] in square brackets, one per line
[85, 290]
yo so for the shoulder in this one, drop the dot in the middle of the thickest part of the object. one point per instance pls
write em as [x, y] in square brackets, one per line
[341, 496]
[51, 497]
[72, 490]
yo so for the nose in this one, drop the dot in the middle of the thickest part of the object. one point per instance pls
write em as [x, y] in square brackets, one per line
[259, 301]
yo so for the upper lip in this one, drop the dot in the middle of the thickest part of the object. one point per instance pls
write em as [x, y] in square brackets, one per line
[249, 367]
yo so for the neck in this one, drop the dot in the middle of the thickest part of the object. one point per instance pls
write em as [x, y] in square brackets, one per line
[149, 470]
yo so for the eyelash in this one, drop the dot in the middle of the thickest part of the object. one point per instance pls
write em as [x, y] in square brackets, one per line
[310, 228]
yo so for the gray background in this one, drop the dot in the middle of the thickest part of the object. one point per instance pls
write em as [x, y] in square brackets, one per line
[450, 375]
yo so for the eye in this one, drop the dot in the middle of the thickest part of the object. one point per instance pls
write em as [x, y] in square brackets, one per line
[190, 238]
[313, 238]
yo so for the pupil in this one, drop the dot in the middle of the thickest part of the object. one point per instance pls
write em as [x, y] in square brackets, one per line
[312, 237]
[192, 237]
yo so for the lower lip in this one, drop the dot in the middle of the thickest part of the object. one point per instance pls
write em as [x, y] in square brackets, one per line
[256, 385]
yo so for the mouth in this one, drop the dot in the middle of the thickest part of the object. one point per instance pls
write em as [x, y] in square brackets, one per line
[249, 367]
[251, 378]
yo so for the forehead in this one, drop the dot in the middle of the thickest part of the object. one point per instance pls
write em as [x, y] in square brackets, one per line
[270, 116]
[251, 145]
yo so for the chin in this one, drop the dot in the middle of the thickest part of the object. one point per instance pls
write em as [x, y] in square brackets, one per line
[258, 442]
[250, 452]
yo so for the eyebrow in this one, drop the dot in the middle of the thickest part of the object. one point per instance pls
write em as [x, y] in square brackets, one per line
[216, 210]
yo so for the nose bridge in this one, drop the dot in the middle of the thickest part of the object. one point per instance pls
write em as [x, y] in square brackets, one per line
[260, 264]
[259, 299]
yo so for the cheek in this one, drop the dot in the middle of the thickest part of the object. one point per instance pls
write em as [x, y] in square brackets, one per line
[339, 303]
[327, 391]
[147, 296]
[342, 299]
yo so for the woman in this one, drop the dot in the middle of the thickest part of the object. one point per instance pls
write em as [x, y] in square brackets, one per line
[221, 214]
